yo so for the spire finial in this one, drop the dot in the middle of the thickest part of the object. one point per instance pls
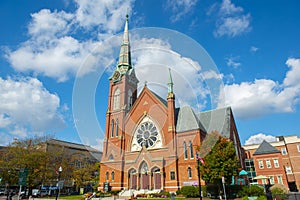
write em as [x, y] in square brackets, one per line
[170, 83]
[125, 55]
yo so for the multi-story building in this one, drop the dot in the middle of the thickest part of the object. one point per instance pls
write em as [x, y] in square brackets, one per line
[149, 144]
[279, 161]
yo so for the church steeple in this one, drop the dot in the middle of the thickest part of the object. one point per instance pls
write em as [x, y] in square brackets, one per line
[170, 83]
[124, 63]
[170, 87]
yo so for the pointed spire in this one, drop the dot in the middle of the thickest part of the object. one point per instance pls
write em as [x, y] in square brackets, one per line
[124, 62]
[170, 83]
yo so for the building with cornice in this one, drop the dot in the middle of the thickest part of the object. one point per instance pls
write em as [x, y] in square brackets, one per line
[150, 144]
[278, 161]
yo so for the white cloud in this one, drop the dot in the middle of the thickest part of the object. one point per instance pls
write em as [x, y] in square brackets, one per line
[254, 49]
[228, 8]
[99, 144]
[232, 22]
[180, 8]
[49, 24]
[155, 57]
[211, 74]
[55, 47]
[232, 62]
[259, 138]
[26, 106]
[265, 96]
[108, 14]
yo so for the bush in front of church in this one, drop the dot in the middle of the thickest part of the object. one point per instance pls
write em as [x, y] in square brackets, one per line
[188, 191]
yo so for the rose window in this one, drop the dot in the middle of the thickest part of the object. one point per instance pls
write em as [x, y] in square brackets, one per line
[147, 134]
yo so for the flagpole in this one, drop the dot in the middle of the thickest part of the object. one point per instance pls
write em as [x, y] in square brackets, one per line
[199, 177]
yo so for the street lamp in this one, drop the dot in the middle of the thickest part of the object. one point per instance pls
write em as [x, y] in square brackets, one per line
[58, 185]
[199, 161]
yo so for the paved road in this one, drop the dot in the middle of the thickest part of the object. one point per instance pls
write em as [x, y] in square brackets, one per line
[294, 196]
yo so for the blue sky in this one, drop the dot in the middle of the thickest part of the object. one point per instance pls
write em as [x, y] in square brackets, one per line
[56, 57]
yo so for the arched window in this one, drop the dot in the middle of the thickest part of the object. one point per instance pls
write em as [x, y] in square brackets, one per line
[185, 150]
[189, 172]
[112, 176]
[191, 149]
[130, 101]
[111, 157]
[107, 176]
[112, 128]
[117, 127]
[116, 98]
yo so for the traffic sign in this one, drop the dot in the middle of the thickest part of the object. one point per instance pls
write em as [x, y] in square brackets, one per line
[23, 173]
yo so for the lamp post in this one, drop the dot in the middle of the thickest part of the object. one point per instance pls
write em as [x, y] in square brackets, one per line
[58, 179]
[199, 160]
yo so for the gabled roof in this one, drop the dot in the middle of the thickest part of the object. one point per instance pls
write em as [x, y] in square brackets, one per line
[187, 120]
[216, 120]
[265, 148]
[159, 98]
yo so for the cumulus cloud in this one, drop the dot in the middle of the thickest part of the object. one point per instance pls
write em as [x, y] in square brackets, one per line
[27, 107]
[258, 138]
[106, 14]
[56, 48]
[232, 21]
[154, 55]
[265, 96]
[180, 8]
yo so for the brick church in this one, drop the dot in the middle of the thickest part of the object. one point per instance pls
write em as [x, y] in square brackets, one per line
[150, 144]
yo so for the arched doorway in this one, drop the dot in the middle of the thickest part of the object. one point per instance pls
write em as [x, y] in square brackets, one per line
[144, 176]
[156, 178]
[132, 177]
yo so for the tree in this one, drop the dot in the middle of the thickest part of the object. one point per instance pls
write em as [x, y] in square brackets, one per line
[86, 174]
[220, 161]
[31, 154]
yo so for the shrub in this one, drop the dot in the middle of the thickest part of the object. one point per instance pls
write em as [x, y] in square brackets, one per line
[262, 198]
[189, 191]
[279, 189]
[252, 190]
[213, 190]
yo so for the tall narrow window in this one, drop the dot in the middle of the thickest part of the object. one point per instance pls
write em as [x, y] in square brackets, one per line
[117, 127]
[112, 128]
[261, 164]
[276, 163]
[288, 169]
[272, 179]
[130, 101]
[107, 176]
[283, 151]
[191, 149]
[185, 150]
[189, 172]
[116, 98]
[268, 163]
[112, 176]
[279, 179]
[172, 175]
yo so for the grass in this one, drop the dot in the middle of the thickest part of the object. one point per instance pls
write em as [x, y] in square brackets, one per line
[71, 197]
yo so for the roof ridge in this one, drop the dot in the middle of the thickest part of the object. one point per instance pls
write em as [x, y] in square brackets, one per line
[265, 148]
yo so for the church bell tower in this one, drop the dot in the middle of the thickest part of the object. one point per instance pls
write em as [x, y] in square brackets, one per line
[122, 95]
